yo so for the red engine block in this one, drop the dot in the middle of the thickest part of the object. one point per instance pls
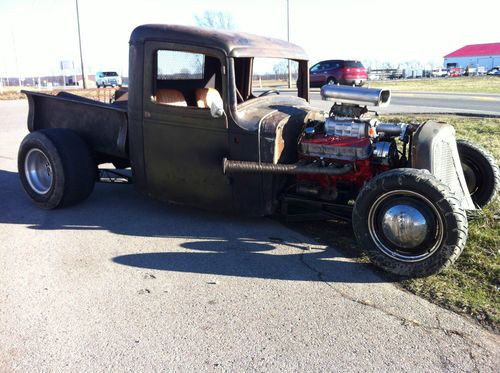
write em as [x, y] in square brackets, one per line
[356, 151]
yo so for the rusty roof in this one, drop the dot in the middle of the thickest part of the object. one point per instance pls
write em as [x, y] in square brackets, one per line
[234, 44]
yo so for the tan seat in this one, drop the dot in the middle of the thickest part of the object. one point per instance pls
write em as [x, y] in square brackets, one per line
[170, 96]
[205, 97]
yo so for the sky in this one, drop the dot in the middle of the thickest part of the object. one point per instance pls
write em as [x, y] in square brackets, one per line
[35, 35]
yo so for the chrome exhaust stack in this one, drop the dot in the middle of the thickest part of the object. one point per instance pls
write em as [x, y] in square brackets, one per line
[356, 95]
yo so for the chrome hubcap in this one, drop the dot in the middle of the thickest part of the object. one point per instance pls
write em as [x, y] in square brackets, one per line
[404, 226]
[38, 171]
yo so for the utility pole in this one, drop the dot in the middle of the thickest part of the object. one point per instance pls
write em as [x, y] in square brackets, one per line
[288, 39]
[80, 43]
[16, 61]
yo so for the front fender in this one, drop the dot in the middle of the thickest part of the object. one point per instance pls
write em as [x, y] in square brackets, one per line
[434, 148]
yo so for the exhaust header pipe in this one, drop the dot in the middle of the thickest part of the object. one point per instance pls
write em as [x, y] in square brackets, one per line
[356, 95]
[229, 166]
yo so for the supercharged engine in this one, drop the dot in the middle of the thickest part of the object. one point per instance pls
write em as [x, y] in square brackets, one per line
[410, 184]
[350, 135]
[339, 153]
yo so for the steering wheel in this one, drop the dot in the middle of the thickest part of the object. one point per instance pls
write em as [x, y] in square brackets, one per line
[265, 93]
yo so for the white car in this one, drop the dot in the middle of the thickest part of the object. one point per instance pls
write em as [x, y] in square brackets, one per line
[107, 79]
[439, 72]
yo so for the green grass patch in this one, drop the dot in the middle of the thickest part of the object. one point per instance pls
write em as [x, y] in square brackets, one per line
[471, 285]
[465, 84]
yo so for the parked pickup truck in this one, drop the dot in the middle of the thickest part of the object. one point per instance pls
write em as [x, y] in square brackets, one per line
[193, 131]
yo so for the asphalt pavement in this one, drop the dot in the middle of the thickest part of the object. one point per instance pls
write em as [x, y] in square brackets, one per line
[124, 283]
[430, 102]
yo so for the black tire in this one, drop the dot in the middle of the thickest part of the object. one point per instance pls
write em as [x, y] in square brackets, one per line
[70, 168]
[481, 172]
[121, 164]
[439, 244]
[331, 81]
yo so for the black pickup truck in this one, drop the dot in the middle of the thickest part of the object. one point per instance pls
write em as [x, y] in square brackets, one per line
[193, 130]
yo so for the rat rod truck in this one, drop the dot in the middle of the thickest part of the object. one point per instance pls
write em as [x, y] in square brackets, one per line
[193, 131]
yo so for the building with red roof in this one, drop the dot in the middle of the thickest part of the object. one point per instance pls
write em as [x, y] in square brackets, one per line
[484, 56]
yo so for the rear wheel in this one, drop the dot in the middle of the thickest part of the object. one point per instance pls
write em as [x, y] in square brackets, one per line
[409, 223]
[56, 168]
[481, 172]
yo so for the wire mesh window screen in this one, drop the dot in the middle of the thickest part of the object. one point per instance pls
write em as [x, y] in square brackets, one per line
[175, 65]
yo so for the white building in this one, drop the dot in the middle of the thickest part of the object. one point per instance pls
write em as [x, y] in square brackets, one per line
[475, 55]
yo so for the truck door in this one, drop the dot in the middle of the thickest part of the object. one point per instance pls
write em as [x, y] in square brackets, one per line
[183, 143]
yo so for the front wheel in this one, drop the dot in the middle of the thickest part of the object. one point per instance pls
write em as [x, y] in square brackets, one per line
[481, 172]
[409, 223]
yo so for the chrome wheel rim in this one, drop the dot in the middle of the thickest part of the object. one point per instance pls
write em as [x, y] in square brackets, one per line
[405, 226]
[38, 171]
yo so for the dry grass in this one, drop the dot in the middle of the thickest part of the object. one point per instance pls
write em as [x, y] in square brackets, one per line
[263, 84]
[472, 84]
[101, 94]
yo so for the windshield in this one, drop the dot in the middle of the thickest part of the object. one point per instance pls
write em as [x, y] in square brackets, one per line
[272, 73]
[258, 76]
[110, 73]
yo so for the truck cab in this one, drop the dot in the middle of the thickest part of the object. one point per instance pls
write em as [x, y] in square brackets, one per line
[177, 74]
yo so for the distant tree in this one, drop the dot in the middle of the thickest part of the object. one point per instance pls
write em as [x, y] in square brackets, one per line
[185, 73]
[386, 65]
[280, 70]
[215, 19]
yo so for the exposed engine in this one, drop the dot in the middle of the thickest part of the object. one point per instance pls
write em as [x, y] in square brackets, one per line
[340, 153]
[349, 135]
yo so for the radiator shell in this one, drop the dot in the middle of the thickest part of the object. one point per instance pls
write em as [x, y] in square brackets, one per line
[435, 149]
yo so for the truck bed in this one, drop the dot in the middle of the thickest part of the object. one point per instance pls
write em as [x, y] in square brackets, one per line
[102, 126]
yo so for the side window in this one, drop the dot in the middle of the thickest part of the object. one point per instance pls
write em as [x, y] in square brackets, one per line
[185, 78]
[316, 68]
[176, 65]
